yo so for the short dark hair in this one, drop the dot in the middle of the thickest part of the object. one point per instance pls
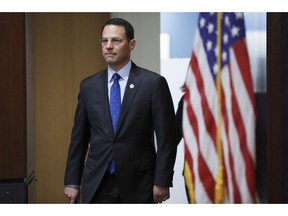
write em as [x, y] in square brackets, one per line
[129, 30]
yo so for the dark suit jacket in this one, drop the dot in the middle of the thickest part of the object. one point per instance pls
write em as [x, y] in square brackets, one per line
[146, 107]
[179, 116]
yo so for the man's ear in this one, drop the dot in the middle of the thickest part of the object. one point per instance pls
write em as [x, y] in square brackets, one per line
[132, 44]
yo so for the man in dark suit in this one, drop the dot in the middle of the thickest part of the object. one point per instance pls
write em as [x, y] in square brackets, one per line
[122, 164]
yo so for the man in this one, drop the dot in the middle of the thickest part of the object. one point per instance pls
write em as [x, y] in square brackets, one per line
[122, 164]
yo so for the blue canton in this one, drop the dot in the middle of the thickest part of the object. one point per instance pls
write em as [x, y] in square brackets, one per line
[233, 29]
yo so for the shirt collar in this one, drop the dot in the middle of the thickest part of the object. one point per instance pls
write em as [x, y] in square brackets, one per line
[123, 72]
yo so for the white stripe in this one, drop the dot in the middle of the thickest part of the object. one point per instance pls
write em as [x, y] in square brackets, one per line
[208, 81]
[189, 136]
[247, 115]
[200, 193]
[234, 142]
[207, 145]
[246, 108]
[227, 93]
[239, 165]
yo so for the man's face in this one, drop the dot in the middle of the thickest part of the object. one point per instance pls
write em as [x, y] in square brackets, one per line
[115, 46]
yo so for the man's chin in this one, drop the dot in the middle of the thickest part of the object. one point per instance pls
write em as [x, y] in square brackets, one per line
[110, 61]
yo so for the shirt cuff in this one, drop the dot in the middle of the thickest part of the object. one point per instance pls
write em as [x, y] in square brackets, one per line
[73, 186]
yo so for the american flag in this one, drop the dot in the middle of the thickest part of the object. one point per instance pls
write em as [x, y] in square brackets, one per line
[236, 152]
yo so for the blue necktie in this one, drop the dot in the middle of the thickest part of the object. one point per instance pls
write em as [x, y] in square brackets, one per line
[115, 106]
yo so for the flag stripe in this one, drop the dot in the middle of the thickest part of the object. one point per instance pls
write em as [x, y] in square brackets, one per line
[208, 117]
[241, 54]
[236, 196]
[205, 176]
[207, 143]
[239, 117]
[241, 132]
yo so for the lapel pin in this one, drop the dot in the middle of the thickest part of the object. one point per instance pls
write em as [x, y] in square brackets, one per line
[131, 86]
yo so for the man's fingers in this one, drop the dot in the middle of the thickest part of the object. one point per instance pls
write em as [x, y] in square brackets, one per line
[72, 200]
[71, 193]
[160, 199]
[160, 194]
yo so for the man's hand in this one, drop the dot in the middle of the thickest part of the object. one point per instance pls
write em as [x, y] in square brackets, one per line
[160, 194]
[72, 193]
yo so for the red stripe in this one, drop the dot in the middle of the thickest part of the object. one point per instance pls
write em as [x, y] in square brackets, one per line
[207, 114]
[236, 192]
[249, 164]
[203, 171]
[205, 175]
[241, 55]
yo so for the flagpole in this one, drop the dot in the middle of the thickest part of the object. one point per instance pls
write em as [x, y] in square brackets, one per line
[219, 187]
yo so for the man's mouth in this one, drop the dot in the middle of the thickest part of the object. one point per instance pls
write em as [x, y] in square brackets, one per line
[110, 54]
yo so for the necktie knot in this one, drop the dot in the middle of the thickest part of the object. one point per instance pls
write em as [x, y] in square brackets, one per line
[116, 77]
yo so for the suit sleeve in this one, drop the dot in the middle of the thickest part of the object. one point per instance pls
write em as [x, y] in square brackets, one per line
[79, 144]
[179, 116]
[165, 128]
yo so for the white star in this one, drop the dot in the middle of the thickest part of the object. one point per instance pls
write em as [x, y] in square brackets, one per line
[210, 28]
[239, 15]
[235, 31]
[216, 50]
[227, 21]
[225, 38]
[202, 22]
[215, 68]
[224, 56]
[209, 45]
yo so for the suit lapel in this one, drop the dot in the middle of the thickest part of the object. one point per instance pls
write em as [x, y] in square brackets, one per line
[103, 96]
[133, 83]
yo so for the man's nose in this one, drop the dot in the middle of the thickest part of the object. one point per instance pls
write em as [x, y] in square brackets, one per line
[109, 44]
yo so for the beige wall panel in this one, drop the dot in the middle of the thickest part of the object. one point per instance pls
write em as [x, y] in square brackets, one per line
[66, 51]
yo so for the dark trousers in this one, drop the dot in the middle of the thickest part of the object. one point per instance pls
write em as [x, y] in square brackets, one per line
[107, 191]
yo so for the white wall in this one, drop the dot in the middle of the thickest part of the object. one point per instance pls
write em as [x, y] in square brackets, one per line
[174, 70]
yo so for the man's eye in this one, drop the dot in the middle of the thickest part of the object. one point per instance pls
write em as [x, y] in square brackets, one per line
[116, 40]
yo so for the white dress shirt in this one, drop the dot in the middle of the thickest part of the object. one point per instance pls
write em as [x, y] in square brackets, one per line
[124, 73]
